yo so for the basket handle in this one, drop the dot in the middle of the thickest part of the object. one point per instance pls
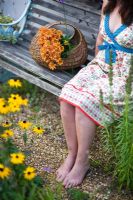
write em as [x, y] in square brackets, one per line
[59, 23]
[77, 31]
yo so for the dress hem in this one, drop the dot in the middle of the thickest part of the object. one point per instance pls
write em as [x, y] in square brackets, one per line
[106, 106]
[73, 104]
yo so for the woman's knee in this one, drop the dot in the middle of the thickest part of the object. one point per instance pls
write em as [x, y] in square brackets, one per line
[65, 109]
[80, 116]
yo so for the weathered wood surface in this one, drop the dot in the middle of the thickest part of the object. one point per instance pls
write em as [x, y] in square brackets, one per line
[16, 58]
[31, 78]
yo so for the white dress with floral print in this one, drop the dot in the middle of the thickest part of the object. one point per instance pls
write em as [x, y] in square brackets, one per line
[83, 90]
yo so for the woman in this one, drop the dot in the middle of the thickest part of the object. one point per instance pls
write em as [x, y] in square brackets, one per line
[80, 105]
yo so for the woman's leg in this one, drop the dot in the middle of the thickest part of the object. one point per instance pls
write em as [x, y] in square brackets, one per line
[68, 120]
[86, 129]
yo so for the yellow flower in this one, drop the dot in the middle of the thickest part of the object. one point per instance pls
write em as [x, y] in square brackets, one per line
[29, 173]
[15, 83]
[6, 124]
[17, 158]
[7, 134]
[2, 101]
[24, 124]
[14, 108]
[15, 99]
[4, 171]
[24, 102]
[38, 130]
[4, 109]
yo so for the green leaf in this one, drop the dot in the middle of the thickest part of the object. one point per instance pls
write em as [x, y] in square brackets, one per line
[25, 138]
[76, 194]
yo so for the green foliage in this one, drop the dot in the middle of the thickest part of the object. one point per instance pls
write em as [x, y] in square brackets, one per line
[27, 90]
[76, 194]
[15, 186]
[118, 140]
[9, 38]
[5, 19]
[66, 42]
[25, 138]
[51, 194]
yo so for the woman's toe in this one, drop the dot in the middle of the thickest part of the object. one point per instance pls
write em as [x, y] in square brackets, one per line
[58, 177]
[65, 181]
[61, 178]
[70, 185]
[67, 185]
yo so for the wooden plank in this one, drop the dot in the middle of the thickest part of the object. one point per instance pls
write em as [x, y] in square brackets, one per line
[52, 13]
[62, 76]
[37, 20]
[23, 43]
[85, 5]
[32, 79]
[56, 77]
[43, 7]
[22, 53]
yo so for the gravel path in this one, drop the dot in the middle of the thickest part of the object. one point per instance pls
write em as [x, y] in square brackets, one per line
[46, 152]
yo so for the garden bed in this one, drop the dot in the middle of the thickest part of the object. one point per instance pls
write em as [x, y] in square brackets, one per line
[47, 151]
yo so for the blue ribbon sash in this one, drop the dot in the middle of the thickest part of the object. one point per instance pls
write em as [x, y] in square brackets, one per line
[111, 48]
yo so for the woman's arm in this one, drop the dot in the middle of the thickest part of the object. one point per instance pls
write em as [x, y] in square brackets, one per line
[99, 40]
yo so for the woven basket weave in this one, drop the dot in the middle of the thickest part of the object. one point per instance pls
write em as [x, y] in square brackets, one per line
[77, 56]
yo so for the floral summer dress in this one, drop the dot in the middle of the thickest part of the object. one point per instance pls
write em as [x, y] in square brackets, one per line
[83, 90]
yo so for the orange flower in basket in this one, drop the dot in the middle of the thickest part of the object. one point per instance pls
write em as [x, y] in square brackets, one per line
[51, 47]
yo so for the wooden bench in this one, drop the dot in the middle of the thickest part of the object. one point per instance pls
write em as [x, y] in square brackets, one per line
[17, 59]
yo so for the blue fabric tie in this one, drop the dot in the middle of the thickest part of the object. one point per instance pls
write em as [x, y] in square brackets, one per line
[111, 48]
[110, 52]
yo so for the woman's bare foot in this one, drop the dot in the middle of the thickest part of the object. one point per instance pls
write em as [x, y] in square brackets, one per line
[76, 175]
[65, 168]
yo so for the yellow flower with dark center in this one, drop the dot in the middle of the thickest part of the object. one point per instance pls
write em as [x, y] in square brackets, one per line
[14, 108]
[15, 83]
[4, 171]
[38, 130]
[4, 109]
[24, 124]
[15, 99]
[6, 124]
[17, 158]
[7, 134]
[29, 173]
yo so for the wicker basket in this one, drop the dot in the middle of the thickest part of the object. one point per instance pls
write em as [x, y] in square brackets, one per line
[77, 56]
